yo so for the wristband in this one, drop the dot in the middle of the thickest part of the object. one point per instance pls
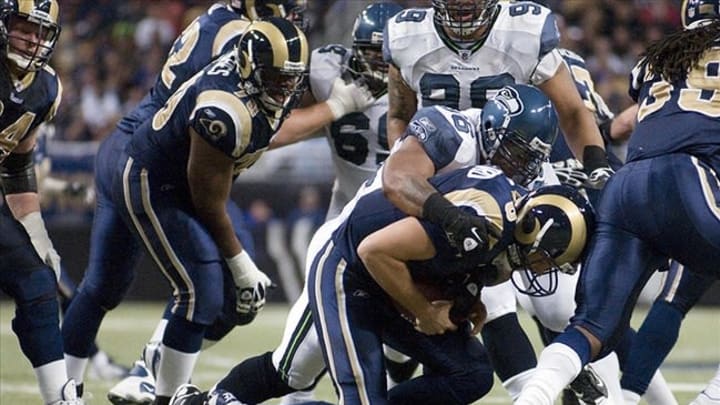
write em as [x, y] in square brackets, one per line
[593, 158]
[240, 266]
[436, 208]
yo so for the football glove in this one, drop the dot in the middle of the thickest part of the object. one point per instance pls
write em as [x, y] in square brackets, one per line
[599, 177]
[469, 234]
[570, 172]
[347, 97]
[35, 228]
[250, 283]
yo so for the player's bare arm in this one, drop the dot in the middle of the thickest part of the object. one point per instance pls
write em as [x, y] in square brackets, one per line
[623, 124]
[405, 177]
[385, 253]
[576, 121]
[210, 179]
[302, 122]
[402, 105]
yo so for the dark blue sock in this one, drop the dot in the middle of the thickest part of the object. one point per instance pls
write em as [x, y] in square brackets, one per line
[577, 341]
[651, 345]
[501, 334]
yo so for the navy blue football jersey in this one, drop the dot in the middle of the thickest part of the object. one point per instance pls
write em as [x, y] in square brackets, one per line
[210, 35]
[678, 117]
[481, 188]
[29, 102]
[213, 104]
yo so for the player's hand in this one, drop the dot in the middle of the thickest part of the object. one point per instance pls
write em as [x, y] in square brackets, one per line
[468, 233]
[346, 97]
[477, 317]
[35, 228]
[251, 284]
[598, 177]
[570, 172]
[436, 320]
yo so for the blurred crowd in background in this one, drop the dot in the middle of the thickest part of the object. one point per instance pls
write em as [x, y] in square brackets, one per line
[110, 51]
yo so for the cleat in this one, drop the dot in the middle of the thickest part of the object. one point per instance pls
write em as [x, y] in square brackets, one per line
[589, 387]
[221, 397]
[187, 394]
[138, 388]
[102, 367]
[68, 395]
[569, 398]
[704, 399]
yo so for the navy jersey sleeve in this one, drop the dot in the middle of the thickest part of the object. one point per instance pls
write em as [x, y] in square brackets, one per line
[223, 120]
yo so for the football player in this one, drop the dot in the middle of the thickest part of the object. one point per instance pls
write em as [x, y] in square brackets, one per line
[362, 289]
[173, 181]
[30, 92]
[458, 53]
[668, 160]
[453, 142]
[212, 34]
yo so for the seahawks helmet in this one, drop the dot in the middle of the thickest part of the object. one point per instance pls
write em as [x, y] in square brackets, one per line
[38, 21]
[463, 17]
[697, 13]
[368, 62]
[292, 10]
[273, 62]
[518, 127]
[553, 226]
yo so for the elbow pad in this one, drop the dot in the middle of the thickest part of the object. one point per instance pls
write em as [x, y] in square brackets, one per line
[17, 174]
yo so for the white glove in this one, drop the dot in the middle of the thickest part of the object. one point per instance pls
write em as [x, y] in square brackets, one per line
[35, 228]
[599, 177]
[348, 97]
[570, 172]
[250, 283]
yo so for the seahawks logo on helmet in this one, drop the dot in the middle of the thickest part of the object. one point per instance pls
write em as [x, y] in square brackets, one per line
[509, 98]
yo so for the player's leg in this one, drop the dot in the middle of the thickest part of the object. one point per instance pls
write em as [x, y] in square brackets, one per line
[188, 257]
[659, 333]
[33, 287]
[501, 332]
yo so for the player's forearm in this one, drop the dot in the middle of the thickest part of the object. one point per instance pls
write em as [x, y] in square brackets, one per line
[402, 105]
[22, 204]
[218, 223]
[393, 276]
[395, 129]
[302, 124]
[580, 131]
[623, 124]
[407, 192]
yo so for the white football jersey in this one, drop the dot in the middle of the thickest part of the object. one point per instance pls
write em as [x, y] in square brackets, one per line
[358, 140]
[520, 48]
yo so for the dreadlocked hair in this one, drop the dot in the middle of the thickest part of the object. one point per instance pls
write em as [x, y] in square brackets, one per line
[673, 56]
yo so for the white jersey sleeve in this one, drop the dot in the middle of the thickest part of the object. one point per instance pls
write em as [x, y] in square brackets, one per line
[326, 64]
[520, 48]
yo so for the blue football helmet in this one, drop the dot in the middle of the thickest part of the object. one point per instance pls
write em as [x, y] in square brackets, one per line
[272, 57]
[42, 16]
[367, 34]
[553, 226]
[463, 18]
[518, 127]
[699, 12]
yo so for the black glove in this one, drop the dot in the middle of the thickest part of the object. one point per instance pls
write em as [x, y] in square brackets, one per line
[596, 166]
[466, 232]
[466, 295]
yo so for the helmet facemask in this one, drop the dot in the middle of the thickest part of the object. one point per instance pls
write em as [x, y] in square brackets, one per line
[463, 17]
[37, 24]
[278, 90]
[519, 159]
[370, 68]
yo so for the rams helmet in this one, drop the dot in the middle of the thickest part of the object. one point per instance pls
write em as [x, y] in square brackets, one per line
[518, 127]
[34, 22]
[292, 10]
[272, 59]
[553, 226]
[699, 12]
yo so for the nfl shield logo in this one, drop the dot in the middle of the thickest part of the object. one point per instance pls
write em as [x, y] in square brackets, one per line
[464, 54]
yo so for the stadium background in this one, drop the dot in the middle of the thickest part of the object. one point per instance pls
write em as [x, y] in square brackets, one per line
[108, 56]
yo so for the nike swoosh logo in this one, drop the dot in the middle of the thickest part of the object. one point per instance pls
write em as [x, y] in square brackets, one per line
[147, 387]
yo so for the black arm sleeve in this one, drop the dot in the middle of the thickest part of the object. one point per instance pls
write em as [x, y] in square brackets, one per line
[17, 174]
